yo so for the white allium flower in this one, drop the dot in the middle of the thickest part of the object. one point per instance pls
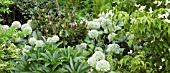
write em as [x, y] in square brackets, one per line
[93, 25]
[99, 55]
[32, 41]
[142, 8]
[160, 67]
[93, 34]
[111, 36]
[92, 61]
[131, 51]
[166, 20]
[39, 43]
[55, 38]
[26, 48]
[84, 45]
[98, 49]
[106, 23]
[160, 16]
[103, 65]
[24, 26]
[5, 27]
[16, 24]
[27, 30]
[49, 40]
[112, 47]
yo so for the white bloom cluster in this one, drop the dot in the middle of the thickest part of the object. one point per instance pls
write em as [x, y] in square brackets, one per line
[111, 37]
[93, 34]
[99, 55]
[5, 27]
[84, 45]
[93, 25]
[167, 20]
[150, 10]
[167, 2]
[39, 43]
[92, 61]
[131, 36]
[26, 49]
[16, 24]
[53, 39]
[98, 49]
[106, 23]
[112, 48]
[103, 65]
[158, 3]
[32, 41]
[163, 15]
[142, 8]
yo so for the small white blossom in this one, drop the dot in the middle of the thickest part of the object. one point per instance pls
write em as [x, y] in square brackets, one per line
[111, 37]
[39, 43]
[26, 48]
[99, 55]
[93, 34]
[131, 36]
[98, 49]
[92, 61]
[160, 67]
[16, 24]
[137, 5]
[163, 59]
[103, 65]
[142, 8]
[167, 2]
[29, 21]
[166, 20]
[32, 41]
[150, 10]
[106, 23]
[131, 51]
[55, 38]
[24, 26]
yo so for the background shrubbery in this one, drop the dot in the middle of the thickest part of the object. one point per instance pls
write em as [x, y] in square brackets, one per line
[78, 36]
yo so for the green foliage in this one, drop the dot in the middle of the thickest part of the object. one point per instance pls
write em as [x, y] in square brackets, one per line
[4, 7]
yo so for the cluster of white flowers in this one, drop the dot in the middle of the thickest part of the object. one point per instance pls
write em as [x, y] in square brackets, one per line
[53, 39]
[112, 47]
[142, 8]
[158, 3]
[16, 24]
[163, 15]
[93, 34]
[150, 10]
[167, 2]
[26, 49]
[111, 37]
[98, 61]
[32, 41]
[103, 65]
[131, 36]
[5, 27]
[93, 25]
[39, 43]
[167, 20]
[98, 49]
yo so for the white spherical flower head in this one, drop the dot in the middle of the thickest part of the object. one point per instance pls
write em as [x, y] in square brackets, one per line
[93, 25]
[111, 36]
[98, 49]
[84, 45]
[24, 26]
[102, 65]
[112, 47]
[16, 24]
[106, 23]
[93, 34]
[39, 43]
[55, 38]
[99, 55]
[32, 41]
[5, 27]
[49, 40]
[27, 30]
[92, 61]
[26, 48]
